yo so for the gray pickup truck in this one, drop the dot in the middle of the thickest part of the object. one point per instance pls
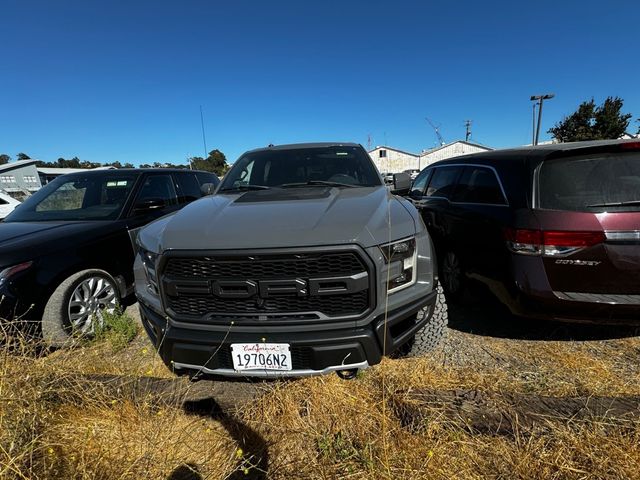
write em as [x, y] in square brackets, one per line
[303, 262]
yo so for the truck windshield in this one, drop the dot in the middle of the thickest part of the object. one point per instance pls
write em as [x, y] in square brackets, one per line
[596, 183]
[313, 166]
[77, 197]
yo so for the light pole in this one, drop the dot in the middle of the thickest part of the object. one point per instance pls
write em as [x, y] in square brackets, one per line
[540, 99]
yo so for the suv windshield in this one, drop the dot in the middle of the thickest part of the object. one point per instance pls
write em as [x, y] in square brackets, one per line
[334, 165]
[594, 183]
[77, 197]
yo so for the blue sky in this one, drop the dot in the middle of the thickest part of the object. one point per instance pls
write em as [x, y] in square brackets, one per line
[124, 80]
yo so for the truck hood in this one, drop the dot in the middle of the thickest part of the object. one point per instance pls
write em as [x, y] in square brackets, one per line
[295, 217]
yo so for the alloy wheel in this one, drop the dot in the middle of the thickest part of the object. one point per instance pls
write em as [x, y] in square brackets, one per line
[451, 273]
[89, 300]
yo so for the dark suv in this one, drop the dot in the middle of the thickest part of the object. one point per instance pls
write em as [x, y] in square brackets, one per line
[553, 231]
[66, 253]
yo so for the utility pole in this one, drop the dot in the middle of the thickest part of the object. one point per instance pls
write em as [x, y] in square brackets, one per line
[533, 126]
[540, 99]
[467, 124]
[204, 141]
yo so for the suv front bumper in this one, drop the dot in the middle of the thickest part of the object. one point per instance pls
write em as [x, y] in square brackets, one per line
[189, 349]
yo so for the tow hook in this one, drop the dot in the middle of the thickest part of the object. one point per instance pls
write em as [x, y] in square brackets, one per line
[347, 374]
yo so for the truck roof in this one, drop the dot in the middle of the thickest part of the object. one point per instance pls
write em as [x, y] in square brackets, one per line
[293, 146]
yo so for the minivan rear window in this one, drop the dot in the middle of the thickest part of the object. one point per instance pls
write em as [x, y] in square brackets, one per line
[596, 183]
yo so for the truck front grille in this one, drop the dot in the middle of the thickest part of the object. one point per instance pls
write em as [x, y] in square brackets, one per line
[263, 286]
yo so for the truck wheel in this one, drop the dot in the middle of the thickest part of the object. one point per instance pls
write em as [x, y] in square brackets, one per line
[77, 304]
[452, 276]
[428, 337]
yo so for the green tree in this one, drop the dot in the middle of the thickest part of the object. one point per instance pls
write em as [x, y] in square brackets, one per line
[216, 162]
[591, 122]
[23, 156]
[73, 163]
[4, 158]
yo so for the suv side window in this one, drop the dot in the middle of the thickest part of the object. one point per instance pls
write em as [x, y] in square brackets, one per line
[207, 177]
[478, 185]
[443, 181]
[417, 189]
[188, 187]
[3, 201]
[158, 187]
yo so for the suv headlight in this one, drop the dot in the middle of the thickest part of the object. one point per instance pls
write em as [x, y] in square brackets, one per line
[149, 264]
[10, 271]
[401, 256]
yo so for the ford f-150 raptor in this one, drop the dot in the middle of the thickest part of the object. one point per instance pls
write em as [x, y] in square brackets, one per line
[303, 262]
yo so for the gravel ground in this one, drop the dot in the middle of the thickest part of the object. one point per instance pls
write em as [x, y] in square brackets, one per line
[483, 336]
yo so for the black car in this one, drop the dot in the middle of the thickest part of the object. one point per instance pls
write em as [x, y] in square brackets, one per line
[66, 253]
[553, 231]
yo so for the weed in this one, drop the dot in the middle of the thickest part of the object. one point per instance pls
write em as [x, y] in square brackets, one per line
[117, 329]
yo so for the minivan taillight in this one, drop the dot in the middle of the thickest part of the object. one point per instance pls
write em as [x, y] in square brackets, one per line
[630, 146]
[550, 242]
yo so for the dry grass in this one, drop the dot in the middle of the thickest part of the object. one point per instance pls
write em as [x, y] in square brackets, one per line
[54, 427]
[339, 429]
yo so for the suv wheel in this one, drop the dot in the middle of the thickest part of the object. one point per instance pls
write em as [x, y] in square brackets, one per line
[452, 276]
[77, 304]
[428, 337]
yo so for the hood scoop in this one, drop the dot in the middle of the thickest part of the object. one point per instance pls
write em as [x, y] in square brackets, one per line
[284, 194]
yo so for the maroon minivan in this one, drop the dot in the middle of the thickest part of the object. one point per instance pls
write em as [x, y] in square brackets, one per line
[553, 231]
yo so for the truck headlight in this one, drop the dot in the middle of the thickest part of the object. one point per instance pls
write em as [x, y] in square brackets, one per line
[401, 257]
[149, 264]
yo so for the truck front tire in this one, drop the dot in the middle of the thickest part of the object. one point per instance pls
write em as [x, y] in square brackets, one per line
[428, 337]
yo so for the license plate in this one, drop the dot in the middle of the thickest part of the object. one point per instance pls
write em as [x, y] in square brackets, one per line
[261, 356]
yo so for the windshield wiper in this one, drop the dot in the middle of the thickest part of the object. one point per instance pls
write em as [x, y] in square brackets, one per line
[245, 187]
[317, 183]
[614, 204]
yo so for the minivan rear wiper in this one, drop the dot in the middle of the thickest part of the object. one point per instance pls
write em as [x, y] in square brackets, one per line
[317, 182]
[615, 204]
[245, 186]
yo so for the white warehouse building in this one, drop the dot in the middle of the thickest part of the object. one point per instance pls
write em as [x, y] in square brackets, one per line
[392, 160]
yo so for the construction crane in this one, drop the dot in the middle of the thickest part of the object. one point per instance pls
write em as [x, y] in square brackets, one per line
[437, 130]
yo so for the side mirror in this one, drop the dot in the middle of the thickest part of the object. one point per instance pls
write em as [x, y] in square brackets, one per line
[401, 183]
[207, 189]
[149, 205]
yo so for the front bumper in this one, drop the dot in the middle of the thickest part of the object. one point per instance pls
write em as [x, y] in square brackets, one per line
[187, 349]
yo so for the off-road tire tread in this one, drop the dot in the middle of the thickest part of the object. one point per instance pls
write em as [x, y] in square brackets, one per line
[429, 337]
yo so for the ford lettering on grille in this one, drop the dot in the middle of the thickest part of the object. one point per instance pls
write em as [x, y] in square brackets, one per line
[242, 289]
